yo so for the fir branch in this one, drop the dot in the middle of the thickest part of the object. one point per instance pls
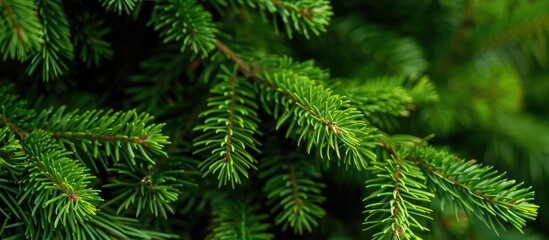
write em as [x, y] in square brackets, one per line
[228, 130]
[145, 190]
[185, 22]
[105, 133]
[251, 72]
[96, 133]
[57, 50]
[320, 117]
[20, 32]
[401, 189]
[292, 190]
[481, 190]
[52, 173]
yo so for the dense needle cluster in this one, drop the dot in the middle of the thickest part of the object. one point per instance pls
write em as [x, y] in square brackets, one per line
[225, 131]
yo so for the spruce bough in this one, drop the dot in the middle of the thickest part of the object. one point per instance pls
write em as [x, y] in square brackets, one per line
[264, 123]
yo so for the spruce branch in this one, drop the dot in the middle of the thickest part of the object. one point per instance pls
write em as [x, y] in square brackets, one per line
[320, 118]
[228, 130]
[482, 191]
[293, 190]
[99, 133]
[56, 183]
[185, 22]
[20, 31]
[145, 189]
[396, 205]
[57, 50]
[59, 185]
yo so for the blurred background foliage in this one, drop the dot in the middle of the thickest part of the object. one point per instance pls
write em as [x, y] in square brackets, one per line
[488, 59]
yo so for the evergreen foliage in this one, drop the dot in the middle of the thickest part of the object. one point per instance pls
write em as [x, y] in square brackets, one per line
[293, 190]
[238, 220]
[57, 50]
[20, 30]
[229, 129]
[200, 120]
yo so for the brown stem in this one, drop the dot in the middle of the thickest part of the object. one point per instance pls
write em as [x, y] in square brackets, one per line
[105, 138]
[231, 119]
[397, 231]
[242, 66]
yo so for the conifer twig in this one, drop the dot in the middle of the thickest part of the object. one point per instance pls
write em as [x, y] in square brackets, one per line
[11, 16]
[242, 65]
[249, 72]
[230, 119]
[397, 230]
